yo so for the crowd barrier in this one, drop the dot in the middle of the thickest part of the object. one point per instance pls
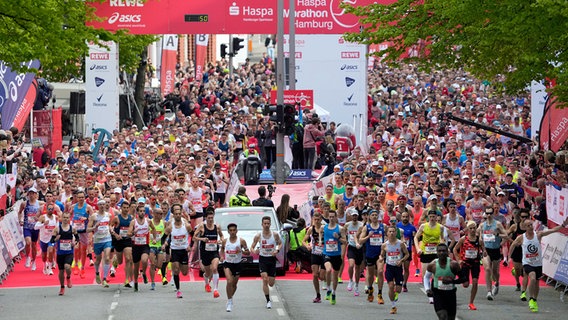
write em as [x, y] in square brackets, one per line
[11, 243]
[555, 246]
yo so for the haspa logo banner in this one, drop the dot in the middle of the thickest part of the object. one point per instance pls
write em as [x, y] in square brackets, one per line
[169, 60]
[225, 16]
[553, 126]
[201, 41]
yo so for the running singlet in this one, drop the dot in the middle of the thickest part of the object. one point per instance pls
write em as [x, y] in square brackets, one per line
[142, 234]
[102, 232]
[65, 242]
[470, 250]
[445, 272]
[430, 238]
[375, 241]
[159, 232]
[331, 245]
[394, 253]
[347, 200]
[46, 231]
[30, 214]
[532, 255]
[195, 197]
[490, 240]
[179, 237]
[476, 210]
[78, 213]
[453, 225]
[352, 233]
[317, 247]
[233, 251]
[408, 233]
[212, 239]
[267, 246]
[123, 226]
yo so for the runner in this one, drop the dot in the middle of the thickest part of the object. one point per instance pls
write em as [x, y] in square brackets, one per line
[439, 283]
[373, 235]
[139, 231]
[312, 242]
[468, 254]
[28, 215]
[269, 246]
[81, 213]
[475, 206]
[492, 233]
[232, 250]
[532, 257]
[122, 242]
[432, 234]
[210, 236]
[63, 236]
[394, 253]
[178, 233]
[332, 236]
[46, 224]
[355, 251]
[157, 255]
[99, 223]
[409, 231]
[515, 230]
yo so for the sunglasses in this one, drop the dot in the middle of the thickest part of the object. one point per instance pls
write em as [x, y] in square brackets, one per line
[524, 217]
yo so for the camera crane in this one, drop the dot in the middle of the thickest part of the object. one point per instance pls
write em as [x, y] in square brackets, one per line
[450, 116]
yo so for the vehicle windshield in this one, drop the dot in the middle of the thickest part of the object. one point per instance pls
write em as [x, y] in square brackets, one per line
[244, 220]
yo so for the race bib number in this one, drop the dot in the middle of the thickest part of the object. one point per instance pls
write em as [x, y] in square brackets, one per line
[140, 240]
[103, 228]
[430, 248]
[352, 235]
[179, 241]
[488, 237]
[123, 232]
[442, 286]
[31, 218]
[531, 257]
[471, 254]
[393, 258]
[65, 245]
[79, 225]
[331, 246]
[376, 240]
[211, 245]
[318, 249]
[407, 241]
[267, 249]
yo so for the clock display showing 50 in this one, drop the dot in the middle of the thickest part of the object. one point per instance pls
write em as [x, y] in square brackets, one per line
[196, 18]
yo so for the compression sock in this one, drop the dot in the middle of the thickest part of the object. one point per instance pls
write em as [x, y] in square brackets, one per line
[216, 280]
[106, 268]
[267, 298]
[176, 281]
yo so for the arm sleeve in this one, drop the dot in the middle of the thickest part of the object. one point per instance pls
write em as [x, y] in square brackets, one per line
[427, 280]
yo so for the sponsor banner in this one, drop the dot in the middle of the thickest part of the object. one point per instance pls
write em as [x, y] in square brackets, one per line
[102, 88]
[556, 206]
[304, 97]
[47, 128]
[300, 175]
[538, 102]
[553, 247]
[13, 89]
[233, 186]
[319, 187]
[4, 258]
[8, 236]
[553, 129]
[26, 107]
[201, 41]
[225, 16]
[168, 65]
[562, 269]
[265, 175]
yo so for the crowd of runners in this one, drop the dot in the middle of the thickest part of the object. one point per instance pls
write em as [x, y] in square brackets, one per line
[427, 198]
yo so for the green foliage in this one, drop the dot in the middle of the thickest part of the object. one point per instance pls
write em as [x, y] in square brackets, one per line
[54, 32]
[522, 40]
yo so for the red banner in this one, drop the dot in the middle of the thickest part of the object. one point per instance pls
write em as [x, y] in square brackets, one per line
[201, 41]
[553, 126]
[169, 61]
[26, 107]
[225, 16]
[47, 127]
[304, 97]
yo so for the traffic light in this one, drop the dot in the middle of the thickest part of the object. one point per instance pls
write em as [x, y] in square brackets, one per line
[223, 50]
[289, 116]
[275, 113]
[237, 44]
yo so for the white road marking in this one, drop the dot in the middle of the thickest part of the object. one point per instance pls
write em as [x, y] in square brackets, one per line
[281, 312]
[274, 298]
[113, 305]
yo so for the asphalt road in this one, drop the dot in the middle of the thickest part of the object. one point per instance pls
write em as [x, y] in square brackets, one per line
[291, 300]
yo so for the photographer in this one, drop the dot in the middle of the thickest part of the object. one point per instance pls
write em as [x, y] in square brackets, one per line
[263, 201]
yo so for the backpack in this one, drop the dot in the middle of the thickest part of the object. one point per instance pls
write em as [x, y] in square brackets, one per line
[297, 135]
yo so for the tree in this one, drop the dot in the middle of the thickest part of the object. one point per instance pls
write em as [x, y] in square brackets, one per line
[517, 40]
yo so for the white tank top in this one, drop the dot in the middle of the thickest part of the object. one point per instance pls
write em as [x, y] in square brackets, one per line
[179, 237]
[102, 232]
[142, 235]
[453, 226]
[233, 252]
[267, 246]
[195, 198]
[532, 254]
[394, 252]
[352, 233]
[46, 231]
[221, 185]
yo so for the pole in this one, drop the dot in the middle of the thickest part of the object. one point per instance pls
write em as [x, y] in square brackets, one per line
[292, 46]
[280, 82]
[231, 54]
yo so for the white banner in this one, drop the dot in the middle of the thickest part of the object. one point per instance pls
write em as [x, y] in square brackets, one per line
[538, 100]
[552, 249]
[102, 88]
[338, 76]
[556, 207]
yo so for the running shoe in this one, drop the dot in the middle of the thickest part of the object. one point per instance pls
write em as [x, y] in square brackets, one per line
[350, 286]
[417, 274]
[471, 306]
[518, 287]
[380, 299]
[269, 305]
[332, 302]
[298, 268]
[153, 286]
[179, 295]
[514, 272]
[45, 269]
[207, 287]
[127, 284]
[216, 294]
[164, 281]
[523, 296]
[533, 305]
[98, 278]
[62, 291]
[430, 300]
[105, 283]
[91, 262]
[370, 296]
[328, 295]
[82, 274]
[377, 280]
[356, 293]
[339, 280]
[229, 306]
[69, 284]
[317, 300]
[393, 310]
[112, 272]
[76, 270]
[34, 267]
[50, 271]
[489, 296]
[404, 288]
[495, 290]
[396, 296]
[145, 278]
[28, 262]
[505, 263]
[366, 290]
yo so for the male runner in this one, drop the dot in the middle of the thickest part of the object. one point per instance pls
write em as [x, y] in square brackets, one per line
[178, 233]
[157, 255]
[355, 251]
[46, 224]
[312, 242]
[122, 242]
[63, 237]
[409, 231]
[443, 271]
[373, 235]
[492, 233]
[210, 236]
[332, 236]
[270, 245]
[431, 234]
[232, 250]
[99, 223]
[81, 213]
[468, 254]
[139, 231]
[394, 253]
[28, 215]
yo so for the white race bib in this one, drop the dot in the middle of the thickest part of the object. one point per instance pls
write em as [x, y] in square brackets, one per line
[430, 248]
[331, 246]
[65, 245]
[376, 240]
[79, 225]
[471, 254]
[123, 232]
[211, 245]
[140, 240]
[488, 237]
[318, 249]
[442, 286]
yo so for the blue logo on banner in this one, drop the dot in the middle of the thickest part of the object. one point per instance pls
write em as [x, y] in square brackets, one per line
[99, 81]
[100, 97]
[349, 81]
[300, 174]
[265, 175]
[3, 94]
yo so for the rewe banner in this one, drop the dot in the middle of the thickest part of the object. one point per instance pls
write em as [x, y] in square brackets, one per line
[225, 16]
